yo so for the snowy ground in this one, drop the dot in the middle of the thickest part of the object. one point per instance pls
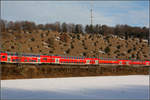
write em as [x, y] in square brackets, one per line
[103, 87]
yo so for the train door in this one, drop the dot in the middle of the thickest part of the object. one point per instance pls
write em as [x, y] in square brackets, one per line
[38, 59]
[120, 62]
[96, 61]
[127, 62]
[57, 60]
[9, 58]
[87, 61]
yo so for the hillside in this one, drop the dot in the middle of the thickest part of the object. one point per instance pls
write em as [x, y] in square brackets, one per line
[71, 44]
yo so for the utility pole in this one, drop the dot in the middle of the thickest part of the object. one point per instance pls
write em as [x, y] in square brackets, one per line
[91, 20]
[149, 31]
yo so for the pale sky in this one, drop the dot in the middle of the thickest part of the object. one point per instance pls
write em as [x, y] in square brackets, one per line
[134, 13]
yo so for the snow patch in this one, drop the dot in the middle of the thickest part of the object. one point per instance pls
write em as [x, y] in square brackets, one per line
[57, 38]
[101, 51]
[103, 87]
[45, 43]
[145, 40]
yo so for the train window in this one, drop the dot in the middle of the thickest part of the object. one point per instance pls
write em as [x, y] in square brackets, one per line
[25, 60]
[146, 63]
[44, 58]
[33, 60]
[30, 60]
[3, 56]
[15, 60]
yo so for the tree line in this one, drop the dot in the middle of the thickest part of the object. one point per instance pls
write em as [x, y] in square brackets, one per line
[119, 30]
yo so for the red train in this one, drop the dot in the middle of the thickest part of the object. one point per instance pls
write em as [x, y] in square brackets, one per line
[9, 57]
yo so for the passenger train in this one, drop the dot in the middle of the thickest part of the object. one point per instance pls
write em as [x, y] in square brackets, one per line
[10, 57]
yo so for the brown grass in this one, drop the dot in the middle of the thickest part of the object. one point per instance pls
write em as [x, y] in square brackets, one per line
[13, 71]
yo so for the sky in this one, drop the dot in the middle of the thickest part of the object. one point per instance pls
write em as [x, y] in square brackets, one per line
[133, 13]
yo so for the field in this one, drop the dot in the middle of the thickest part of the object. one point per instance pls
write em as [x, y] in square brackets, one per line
[102, 87]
